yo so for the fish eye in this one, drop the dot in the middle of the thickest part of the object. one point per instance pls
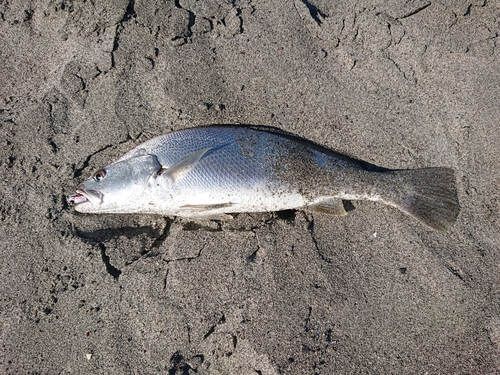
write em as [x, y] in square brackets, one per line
[99, 175]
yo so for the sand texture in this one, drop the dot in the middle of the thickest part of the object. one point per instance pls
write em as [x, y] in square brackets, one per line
[400, 84]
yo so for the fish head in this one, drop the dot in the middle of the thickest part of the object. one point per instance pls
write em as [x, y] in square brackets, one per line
[117, 187]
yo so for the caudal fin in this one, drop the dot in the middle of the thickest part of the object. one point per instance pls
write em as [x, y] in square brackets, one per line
[428, 195]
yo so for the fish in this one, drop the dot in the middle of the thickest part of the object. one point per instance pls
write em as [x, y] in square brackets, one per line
[212, 172]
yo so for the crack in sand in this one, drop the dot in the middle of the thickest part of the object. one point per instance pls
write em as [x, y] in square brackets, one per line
[310, 228]
[127, 16]
[415, 10]
[191, 21]
[112, 270]
[78, 172]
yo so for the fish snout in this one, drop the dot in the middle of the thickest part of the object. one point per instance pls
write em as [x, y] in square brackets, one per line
[82, 196]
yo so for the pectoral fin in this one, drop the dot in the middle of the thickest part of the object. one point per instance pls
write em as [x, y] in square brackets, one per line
[330, 206]
[181, 168]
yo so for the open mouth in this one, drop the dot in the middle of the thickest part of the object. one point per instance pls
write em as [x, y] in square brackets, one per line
[83, 196]
[77, 198]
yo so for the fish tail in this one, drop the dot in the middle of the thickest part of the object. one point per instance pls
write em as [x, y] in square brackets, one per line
[427, 194]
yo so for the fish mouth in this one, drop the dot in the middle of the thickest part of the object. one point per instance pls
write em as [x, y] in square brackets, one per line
[82, 196]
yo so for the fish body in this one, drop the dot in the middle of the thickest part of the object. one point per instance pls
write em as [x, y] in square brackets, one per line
[209, 172]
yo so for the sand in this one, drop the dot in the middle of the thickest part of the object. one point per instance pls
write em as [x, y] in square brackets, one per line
[400, 86]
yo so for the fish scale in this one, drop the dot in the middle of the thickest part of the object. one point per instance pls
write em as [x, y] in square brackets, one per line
[223, 165]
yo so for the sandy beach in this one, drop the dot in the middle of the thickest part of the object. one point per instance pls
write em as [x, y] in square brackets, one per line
[294, 292]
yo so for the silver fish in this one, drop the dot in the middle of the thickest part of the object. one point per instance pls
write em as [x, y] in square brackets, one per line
[209, 172]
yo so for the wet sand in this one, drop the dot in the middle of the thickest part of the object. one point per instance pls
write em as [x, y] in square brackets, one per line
[273, 293]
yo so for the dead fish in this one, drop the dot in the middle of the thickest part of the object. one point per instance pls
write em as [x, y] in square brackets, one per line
[209, 172]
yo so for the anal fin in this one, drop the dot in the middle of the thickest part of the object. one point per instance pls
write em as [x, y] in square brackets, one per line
[332, 206]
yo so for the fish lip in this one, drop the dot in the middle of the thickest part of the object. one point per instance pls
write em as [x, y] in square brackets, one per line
[76, 199]
[82, 196]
